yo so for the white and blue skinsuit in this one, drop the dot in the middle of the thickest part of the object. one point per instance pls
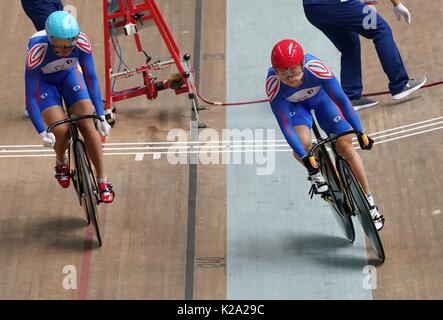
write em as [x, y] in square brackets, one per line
[342, 22]
[320, 91]
[49, 77]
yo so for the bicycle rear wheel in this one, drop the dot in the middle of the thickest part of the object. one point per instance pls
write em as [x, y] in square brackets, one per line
[89, 189]
[335, 197]
[361, 207]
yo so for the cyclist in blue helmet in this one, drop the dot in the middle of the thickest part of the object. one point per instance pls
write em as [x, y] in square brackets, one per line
[60, 66]
[63, 31]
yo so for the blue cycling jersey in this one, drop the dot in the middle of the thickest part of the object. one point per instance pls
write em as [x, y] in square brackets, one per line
[307, 2]
[320, 91]
[49, 77]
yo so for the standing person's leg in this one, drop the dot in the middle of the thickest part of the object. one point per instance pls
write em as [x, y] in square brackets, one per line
[400, 85]
[35, 12]
[356, 17]
[348, 43]
[58, 5]
[388, 54]
[38, 11]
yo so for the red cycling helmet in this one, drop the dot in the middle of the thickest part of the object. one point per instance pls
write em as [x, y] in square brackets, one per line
[287, 54]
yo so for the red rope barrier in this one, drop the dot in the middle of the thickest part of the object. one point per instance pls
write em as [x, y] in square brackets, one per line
[226, 104]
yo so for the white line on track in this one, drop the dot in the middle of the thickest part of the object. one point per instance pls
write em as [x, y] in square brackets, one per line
[140, 149]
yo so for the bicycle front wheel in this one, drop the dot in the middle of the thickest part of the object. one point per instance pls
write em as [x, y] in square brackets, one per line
[335, 197]
[89, 200]
[361, 207]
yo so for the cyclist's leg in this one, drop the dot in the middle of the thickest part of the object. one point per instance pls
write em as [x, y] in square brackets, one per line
[51, 111]
[51, 115]
[75, 93]
[49, 103]
[304, 134]
[77, 98]
[301, 120]
[90, 134]
[345, 147]
[331, 120]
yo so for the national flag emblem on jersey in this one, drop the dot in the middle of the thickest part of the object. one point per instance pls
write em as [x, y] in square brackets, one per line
[83, 43]
[319, 69]
[79, 68]
[36, 55]
[272, 86]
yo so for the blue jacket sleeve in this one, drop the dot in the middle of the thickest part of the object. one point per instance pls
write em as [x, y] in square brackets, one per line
[87, 64]
[336, 93]
[281, 111]
[31, 81]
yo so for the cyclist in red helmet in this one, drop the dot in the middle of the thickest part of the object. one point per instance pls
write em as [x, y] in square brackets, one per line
[299, 83]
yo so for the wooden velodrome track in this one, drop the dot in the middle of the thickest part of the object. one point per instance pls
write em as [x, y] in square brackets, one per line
[150, 250]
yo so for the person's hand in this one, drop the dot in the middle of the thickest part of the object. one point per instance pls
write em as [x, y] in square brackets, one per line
[365, 141]
[103, 127]
[401, 11]
[310, 164]
[48, 139]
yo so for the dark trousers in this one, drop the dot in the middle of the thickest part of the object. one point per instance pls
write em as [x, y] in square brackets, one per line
[342, 23]
[39, 10]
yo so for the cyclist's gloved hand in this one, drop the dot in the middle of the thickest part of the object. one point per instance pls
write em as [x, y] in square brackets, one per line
[400, 11]
[365, 141]
[48, 139]
[103, 127]
[310, 164]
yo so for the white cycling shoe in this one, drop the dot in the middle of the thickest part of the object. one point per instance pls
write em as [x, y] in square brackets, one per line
[379, 220]
[319, 184]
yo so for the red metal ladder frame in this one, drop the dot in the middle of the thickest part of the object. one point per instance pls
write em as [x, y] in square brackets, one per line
[133, 15]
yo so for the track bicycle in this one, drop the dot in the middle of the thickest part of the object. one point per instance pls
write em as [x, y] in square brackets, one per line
[345, 196]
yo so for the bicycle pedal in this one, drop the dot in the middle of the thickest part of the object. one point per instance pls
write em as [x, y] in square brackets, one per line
[314, 190]
[380, 218]
[327, 196]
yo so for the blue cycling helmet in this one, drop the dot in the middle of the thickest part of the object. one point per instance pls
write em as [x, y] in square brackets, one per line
[62, 25]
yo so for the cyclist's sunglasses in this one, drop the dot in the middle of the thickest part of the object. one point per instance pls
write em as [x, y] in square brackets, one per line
[287, 72]
[64, 43]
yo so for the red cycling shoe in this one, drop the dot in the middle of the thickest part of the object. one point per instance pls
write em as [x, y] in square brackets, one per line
[105, 192]
[63, 175]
